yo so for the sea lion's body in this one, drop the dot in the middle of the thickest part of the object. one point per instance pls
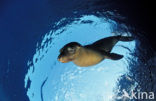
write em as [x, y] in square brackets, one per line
[88, 57]
[92, 54]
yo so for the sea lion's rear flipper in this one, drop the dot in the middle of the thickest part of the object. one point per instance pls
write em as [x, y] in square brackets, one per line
[113, 56]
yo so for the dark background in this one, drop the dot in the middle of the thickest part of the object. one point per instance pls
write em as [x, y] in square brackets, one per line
[24, 22]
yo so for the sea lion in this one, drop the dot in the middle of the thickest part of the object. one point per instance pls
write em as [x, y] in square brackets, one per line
[91, 54]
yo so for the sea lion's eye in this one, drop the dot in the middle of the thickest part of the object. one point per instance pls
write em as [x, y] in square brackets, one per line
[70, 50]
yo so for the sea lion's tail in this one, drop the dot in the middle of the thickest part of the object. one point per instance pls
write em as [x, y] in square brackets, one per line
[126, 38]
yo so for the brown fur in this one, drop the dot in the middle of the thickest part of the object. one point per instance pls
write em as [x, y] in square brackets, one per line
[87, 57]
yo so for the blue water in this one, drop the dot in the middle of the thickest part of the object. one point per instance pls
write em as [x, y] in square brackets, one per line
[68, 82]
[30, 42]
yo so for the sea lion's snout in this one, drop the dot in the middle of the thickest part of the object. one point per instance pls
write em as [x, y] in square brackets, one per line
[59, 58]
[63, 59]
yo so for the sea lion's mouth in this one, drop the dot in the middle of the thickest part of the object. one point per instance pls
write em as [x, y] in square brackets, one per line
[63, 59]
[60, 59]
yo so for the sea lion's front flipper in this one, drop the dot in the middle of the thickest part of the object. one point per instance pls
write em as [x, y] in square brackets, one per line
[113, 56]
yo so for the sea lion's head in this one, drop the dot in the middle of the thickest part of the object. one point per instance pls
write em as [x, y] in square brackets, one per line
[69, 52]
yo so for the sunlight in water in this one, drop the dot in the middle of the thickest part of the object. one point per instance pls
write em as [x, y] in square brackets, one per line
[51, 80]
